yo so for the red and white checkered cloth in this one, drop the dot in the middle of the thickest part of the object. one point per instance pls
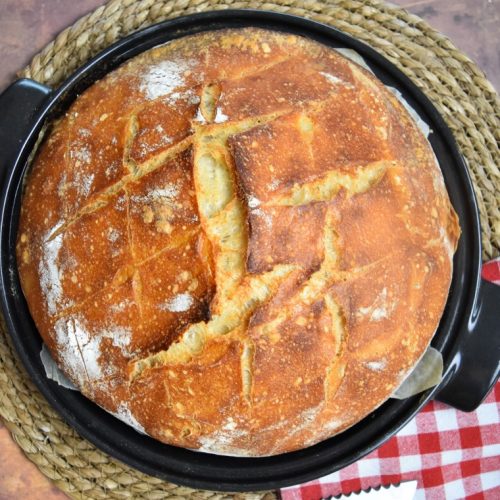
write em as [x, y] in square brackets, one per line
[450, 453]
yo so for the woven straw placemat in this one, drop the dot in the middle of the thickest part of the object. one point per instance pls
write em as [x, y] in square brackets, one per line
[459, 90]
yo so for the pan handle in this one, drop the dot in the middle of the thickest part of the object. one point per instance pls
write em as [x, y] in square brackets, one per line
[475, 367]
[19, 105]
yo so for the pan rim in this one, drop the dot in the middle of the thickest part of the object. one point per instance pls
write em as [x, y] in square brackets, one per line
[285, 474]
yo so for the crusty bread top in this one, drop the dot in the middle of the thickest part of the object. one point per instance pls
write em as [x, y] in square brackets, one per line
[237, 242]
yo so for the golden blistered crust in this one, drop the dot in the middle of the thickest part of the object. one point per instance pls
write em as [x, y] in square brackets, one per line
[238, 242]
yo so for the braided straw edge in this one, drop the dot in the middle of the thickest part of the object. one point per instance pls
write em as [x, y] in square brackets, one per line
[459, 90]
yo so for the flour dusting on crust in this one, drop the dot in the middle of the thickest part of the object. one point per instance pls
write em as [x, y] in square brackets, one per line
[376, 366]
[222, 441]
[180, 303]
[78, 349]
[163, 78]
[124, 414]
[380, 309]
[50, 272]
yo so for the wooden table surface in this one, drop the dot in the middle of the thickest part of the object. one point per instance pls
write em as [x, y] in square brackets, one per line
[26, 26]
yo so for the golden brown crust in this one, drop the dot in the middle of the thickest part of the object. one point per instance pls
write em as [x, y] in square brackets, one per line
[238, 242]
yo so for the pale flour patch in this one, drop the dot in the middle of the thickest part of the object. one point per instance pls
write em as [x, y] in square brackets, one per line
[304, 421]
[253, 202]
[120, 337]
[199, 117]
[111, 169]
[120, 307]
[220, 117]
[113, 235]
[79, 350]
[187, 95]
[50, 272]
[222, 441]
[62, 186]
[180, 303]
[376, 366]
[327, 430]
[163, 78]
[306, 418]
[81, 154]
[169, 192]
[380, 308]
[230, 425]
[192, 98]
[124, 414]
[146, 148]
[332, 78]
[84, 132]
[274, 185]
[166, 194]
[378, 314]
[332, 426]
[267, 218]
[84, 183]
[121, 203]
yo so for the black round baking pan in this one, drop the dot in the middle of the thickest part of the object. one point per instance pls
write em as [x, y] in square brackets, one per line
[467, 335]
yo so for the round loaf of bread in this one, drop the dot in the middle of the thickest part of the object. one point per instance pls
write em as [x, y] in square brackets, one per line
[238, 242]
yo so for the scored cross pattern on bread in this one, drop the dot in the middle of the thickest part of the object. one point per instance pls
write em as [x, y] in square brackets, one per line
[238, 242]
